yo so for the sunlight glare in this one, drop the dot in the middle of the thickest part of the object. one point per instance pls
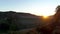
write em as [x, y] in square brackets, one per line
[45, 16]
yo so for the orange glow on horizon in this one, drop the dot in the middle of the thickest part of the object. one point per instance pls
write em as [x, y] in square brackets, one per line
[45, 17]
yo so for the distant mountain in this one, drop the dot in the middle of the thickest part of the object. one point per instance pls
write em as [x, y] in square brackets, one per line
[21, 20]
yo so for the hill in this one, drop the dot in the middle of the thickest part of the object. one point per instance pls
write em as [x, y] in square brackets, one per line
[19, 20]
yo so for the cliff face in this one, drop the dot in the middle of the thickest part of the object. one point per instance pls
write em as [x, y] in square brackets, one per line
[21, 20]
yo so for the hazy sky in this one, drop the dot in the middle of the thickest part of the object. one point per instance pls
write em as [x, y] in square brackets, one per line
[37, 7]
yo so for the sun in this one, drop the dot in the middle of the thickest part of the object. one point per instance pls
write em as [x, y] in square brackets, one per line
[45, 16]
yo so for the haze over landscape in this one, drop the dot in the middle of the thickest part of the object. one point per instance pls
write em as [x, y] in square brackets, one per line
[37, 7]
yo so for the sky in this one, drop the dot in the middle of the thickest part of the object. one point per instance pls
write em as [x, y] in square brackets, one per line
[37, 7]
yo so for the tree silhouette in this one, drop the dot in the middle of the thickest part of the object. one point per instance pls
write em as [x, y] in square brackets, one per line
[56, 23]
